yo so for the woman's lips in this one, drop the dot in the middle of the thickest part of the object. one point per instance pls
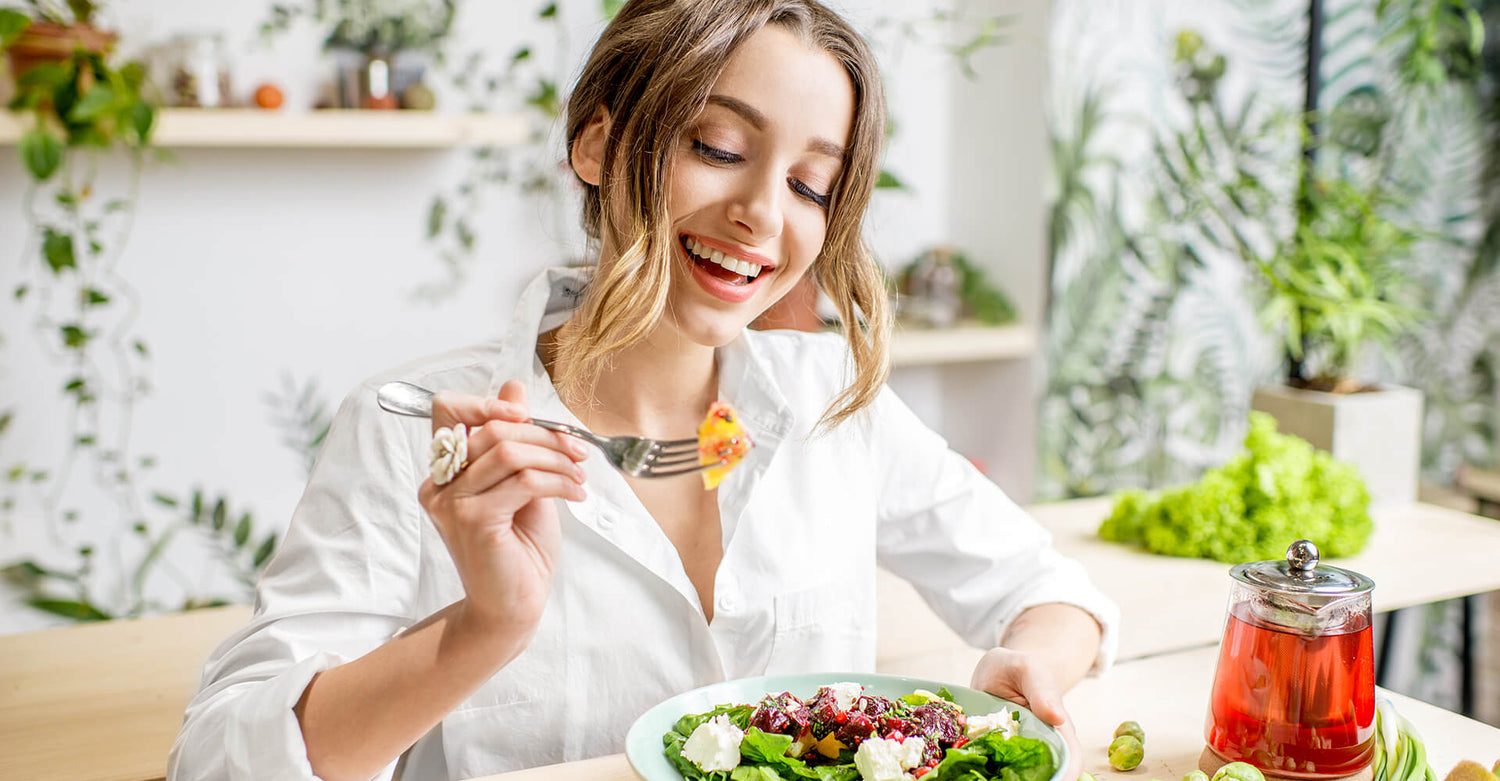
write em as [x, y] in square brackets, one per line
[707, 275]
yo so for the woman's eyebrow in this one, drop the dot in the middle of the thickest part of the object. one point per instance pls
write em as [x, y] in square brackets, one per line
[758, 120]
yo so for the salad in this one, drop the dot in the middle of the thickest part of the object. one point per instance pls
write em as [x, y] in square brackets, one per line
[843, 734]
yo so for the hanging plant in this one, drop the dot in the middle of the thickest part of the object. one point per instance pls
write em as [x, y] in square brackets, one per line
[79, 106]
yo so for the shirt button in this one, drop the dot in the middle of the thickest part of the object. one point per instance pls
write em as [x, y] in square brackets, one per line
[727, 604]
[606, 521]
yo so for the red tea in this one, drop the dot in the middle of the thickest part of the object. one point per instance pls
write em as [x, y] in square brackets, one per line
[1294, 705]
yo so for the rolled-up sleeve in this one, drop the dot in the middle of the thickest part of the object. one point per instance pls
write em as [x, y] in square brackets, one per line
[977, 558]
[341, 583]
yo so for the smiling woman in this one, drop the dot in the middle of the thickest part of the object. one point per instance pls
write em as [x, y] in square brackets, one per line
[662, 104]
[510, 618]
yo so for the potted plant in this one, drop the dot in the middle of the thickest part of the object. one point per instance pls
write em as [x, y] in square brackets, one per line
[379, 31]
[1335, 288]
[50, 33]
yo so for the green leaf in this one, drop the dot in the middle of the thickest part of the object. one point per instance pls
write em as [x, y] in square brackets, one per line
[78, 611]
[12, 24]
[74, 336]
[263, 553]
[548, 12]
[888, 181]
[21, 291]
[611, 8]
[164, 500]
[436, 214]
[95, 102]
[42, 152]
[5, 419]
[242, 531]
[57, 249]
[142, 119]
[221, 514]
[140, 347]
[92, 297]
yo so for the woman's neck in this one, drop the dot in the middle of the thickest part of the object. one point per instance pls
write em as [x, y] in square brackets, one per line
[659, 387]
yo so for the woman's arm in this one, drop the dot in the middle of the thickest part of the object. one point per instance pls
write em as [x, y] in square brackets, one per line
[1065, 636]
[499, 524]
[358, 717]
[1045, 652]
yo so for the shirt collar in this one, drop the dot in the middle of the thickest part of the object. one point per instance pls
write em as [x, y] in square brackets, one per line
[746, 381]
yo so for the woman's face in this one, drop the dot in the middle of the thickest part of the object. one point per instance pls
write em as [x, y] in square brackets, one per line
[748, 196]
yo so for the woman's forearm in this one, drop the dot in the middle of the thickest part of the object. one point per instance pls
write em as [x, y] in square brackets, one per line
[1065, 636]
[358, 717]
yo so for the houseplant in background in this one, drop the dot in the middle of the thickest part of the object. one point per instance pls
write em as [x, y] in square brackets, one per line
[79, 106]
[1337, 284]
[1334, 289]
[379, 31]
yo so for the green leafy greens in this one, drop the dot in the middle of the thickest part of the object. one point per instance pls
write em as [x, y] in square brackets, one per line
[763, 756]
[1279, 490]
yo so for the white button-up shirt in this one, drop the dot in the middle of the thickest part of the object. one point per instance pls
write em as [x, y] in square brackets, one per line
[805, 522]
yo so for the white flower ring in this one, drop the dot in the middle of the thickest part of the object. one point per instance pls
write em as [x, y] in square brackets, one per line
[449, 454]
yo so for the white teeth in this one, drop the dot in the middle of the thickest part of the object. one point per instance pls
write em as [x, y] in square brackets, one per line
[745, 267]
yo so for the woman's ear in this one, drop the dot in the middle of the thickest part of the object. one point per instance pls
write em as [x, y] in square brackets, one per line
[587, 155]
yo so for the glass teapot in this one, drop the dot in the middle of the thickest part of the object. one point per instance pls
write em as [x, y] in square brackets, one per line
[1294, 692]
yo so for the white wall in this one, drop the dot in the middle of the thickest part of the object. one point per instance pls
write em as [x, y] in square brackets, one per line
[251, 265]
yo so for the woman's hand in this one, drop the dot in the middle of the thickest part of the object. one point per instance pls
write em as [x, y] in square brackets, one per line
[1026, 680]
[496, 516]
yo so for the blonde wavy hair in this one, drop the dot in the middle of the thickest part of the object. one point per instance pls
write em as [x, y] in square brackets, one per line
[652, 70]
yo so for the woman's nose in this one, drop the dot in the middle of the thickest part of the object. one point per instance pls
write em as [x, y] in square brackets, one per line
[757, 206]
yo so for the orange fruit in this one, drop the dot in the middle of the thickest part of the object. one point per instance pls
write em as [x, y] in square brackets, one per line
[268, 96]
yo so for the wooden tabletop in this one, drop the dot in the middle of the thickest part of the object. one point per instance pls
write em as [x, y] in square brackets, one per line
[102, 702]
[1418, 553]
[1168, 696]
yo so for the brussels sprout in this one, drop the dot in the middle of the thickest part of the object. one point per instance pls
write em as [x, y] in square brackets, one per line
[1086, 776]
[1196, 775]
[1238, 771]
[1125, 753]
[1133, 729]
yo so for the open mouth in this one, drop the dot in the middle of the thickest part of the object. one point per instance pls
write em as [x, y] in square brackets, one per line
[726, 268]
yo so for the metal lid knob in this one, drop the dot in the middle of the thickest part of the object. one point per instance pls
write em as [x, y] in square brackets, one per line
[1302, 559]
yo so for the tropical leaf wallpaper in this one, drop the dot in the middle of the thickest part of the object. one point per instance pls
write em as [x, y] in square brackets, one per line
[1177, 137]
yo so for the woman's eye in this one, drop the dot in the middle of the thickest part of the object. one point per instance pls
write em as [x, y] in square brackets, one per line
[714, 153]
[807, 192]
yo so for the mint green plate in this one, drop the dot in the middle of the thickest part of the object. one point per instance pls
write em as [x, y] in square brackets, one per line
[643, 744]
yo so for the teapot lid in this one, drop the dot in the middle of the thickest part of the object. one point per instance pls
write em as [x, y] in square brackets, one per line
[1300, 573]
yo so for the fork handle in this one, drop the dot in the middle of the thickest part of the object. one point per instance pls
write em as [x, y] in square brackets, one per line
[405, 398]
[563, 428]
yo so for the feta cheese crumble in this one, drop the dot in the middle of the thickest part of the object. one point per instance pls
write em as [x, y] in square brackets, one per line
[1003, 720]
[845, 694]
[714, 745]
[879, 759]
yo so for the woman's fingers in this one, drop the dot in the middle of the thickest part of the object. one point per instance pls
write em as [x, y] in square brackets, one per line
[501, 459]
[495, 432]
[474, 411]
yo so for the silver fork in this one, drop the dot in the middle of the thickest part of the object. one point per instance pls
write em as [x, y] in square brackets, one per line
[635, 456]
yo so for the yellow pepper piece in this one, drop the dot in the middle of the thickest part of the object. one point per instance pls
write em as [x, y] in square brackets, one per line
[721, 440]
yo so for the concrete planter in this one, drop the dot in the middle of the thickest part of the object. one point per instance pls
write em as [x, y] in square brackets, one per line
[1379, 432]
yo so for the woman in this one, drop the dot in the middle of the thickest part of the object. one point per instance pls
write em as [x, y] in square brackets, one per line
[527, 610]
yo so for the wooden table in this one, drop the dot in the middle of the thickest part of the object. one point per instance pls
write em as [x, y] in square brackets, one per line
[102, 702]
[1418, 553]
[1168, 695]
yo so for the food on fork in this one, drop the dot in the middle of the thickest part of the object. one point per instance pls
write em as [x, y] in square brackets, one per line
[721, 440]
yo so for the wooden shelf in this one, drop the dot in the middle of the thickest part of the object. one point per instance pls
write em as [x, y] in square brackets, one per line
[325, 129]
[962, 344]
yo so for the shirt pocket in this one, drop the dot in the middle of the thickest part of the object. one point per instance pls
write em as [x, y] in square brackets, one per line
[496, 738]
[818, 629]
